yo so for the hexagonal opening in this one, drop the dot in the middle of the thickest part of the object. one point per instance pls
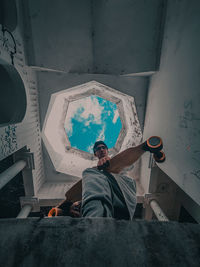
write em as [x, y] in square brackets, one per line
[90, 119]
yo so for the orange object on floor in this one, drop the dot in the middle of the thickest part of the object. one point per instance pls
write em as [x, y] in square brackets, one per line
[53, 212]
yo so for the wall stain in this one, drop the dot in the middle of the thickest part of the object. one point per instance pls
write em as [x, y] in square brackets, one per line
[8, 140]
[188, 116]
[196, 174]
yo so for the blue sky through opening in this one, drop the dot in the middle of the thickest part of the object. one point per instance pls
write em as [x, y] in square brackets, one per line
[90, 119]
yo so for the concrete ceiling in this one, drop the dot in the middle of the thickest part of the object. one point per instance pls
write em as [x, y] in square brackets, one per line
[105, 37]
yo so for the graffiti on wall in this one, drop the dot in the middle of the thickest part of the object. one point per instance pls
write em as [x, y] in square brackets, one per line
[8, 140]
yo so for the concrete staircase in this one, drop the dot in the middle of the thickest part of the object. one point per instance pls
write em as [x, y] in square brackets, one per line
[64, 241]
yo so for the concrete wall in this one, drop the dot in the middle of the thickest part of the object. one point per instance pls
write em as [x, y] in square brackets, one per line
[173, 107]
[165, 192]
[114, 37]
[51, 173]
[60, 33]
[190, 205]
[89, 242]
[14, 136]
[127, 35]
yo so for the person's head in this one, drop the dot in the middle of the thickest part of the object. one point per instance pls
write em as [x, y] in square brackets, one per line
[100, 149]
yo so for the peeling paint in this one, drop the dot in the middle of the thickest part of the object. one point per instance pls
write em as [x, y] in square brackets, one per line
[8, 140]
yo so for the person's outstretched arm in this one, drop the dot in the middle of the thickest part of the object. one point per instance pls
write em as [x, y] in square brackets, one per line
[117, 164]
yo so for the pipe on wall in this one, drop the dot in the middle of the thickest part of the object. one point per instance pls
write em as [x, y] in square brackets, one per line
[24, 212]
[11, 172]
[158, 211]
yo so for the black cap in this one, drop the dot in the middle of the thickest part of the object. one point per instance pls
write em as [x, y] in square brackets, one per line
[98, 143]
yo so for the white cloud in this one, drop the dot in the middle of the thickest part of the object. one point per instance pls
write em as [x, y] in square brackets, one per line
[101, 135]
[68, 126]
[87, 123]
[116, 116]
[92, 107]
[90, 148]
[90, 112]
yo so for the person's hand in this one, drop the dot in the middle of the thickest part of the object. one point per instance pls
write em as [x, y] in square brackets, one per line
[103, 162]
[75, 209]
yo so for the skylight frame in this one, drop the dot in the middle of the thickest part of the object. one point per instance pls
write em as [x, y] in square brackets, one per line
[69, 160]
[107, 97]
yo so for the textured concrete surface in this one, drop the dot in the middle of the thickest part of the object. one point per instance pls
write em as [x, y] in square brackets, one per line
[173, 105]
[110, 37]
[101, 242]
[127, 35]
[61, 34]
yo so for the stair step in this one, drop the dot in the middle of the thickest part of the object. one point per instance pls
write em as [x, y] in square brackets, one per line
[65, 241]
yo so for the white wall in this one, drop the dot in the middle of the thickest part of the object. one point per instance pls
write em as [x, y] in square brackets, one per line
[27, 133]
[173, 107]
